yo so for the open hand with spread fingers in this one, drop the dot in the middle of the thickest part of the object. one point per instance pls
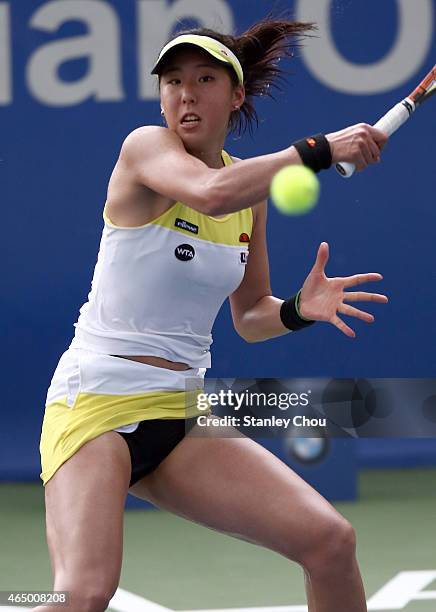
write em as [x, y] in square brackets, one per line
[322, 298]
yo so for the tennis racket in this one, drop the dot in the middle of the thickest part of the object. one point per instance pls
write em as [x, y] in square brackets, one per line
[398, 114]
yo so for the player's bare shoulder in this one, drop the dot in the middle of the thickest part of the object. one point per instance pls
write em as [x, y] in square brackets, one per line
[130, 203]
[146, 141]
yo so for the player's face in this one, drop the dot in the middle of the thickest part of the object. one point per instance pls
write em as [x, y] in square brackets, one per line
[198, 96]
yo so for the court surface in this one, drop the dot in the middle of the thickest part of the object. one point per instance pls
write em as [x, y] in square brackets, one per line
[182, 566]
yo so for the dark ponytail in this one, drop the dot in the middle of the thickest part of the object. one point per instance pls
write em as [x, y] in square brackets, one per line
[259, 50]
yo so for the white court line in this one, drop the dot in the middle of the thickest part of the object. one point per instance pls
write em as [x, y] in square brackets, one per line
[124, 601]
[426, 595]
[402, 589]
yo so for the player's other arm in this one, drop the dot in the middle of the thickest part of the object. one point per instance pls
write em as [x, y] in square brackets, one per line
[255, 311]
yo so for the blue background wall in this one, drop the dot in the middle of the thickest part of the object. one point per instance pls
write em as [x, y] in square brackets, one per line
[57, 156]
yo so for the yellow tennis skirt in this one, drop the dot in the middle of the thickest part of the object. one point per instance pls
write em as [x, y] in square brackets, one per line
[92, 393]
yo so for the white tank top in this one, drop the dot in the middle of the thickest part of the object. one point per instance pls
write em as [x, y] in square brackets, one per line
[157, 288]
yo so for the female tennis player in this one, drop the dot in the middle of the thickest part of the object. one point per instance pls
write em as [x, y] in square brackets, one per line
[180, 217]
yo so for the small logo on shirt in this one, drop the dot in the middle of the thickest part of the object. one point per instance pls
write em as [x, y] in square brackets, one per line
[185, 225]
[244, 257]
[244, 237]
[184, 252]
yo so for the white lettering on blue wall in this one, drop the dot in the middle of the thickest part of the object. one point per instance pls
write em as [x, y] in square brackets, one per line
[403, 60]
[155, 19]
[5, 55]
[101, 46]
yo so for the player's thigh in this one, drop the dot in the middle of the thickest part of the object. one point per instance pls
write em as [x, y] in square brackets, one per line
[84, 512]
[235, 485]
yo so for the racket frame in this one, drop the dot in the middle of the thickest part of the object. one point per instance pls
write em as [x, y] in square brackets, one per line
[395, 117]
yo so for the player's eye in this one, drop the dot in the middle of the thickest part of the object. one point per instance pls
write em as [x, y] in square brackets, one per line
[207, 78]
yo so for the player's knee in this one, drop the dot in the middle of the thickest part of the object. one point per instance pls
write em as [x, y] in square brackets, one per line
[334, 548]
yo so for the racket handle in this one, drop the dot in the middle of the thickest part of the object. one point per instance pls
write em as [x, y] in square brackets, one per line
[345, 169]
[389, 123]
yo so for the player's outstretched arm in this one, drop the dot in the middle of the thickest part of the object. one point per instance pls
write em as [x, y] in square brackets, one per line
[157, 158]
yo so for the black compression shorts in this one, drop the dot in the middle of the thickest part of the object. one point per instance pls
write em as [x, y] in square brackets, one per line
[152, 441]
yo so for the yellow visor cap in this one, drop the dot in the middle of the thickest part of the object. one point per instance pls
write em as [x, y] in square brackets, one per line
[212, 46]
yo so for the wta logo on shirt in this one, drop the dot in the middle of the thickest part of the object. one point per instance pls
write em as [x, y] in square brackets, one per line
[184, 252]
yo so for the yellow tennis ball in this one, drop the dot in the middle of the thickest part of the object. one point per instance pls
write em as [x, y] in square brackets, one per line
[295, 190]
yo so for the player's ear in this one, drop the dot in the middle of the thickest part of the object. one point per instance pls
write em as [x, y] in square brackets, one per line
[238, 97]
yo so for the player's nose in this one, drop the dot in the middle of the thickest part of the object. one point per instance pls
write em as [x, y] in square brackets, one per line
[188, 94]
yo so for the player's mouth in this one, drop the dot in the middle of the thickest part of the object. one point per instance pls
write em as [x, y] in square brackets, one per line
[190, 120]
